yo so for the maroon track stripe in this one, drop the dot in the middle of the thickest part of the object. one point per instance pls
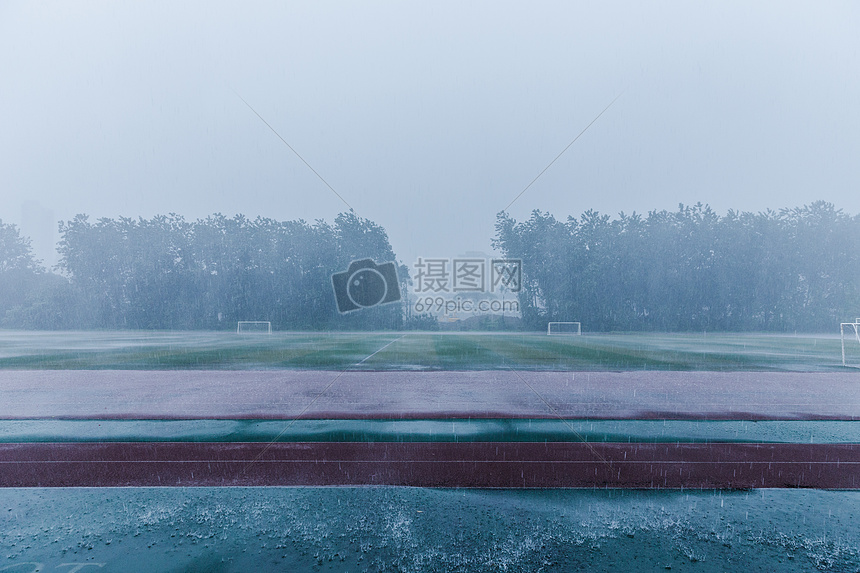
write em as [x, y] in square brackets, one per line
[477, 464]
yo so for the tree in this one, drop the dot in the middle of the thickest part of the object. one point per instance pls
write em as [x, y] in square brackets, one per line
[15, 251]
[798, 269]
[30, 297]
[168, 273]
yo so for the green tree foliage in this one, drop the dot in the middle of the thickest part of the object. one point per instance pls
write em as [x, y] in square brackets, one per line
[31, 297]
[796, 269]
[18, 270]
[168, 273]
[15, 251]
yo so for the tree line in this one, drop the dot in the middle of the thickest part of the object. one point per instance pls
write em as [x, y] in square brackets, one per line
[789, 270]
[169, 273]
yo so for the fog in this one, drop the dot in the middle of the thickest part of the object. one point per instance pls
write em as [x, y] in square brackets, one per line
[427, 119]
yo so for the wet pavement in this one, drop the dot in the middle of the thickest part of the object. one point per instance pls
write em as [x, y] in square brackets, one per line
[191, 394]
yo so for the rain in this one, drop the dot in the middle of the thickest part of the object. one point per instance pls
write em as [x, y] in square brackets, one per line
[429, 287]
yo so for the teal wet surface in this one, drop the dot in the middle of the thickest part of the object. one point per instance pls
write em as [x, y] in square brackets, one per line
[452, 430]
[395, 529]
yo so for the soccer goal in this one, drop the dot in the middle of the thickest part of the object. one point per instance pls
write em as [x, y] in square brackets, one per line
[563, 328]
[853, 331]
[254, 327]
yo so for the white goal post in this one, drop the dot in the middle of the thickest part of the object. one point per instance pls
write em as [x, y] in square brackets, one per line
[254, 327]
[563, 328]
[850, 328]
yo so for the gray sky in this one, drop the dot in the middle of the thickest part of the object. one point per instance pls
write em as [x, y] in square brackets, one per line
[428, 118]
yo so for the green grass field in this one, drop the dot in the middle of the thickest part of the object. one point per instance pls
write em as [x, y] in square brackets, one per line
[421, 351]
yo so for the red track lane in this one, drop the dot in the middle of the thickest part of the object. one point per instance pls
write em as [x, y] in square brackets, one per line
[483, 464]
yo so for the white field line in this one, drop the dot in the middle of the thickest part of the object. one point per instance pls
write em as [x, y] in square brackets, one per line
[377, 352]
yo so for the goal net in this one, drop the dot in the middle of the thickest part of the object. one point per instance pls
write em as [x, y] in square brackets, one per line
[254, 327]
[851, 346]
[563, 328]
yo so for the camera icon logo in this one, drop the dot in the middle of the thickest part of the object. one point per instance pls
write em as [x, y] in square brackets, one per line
[365, 284]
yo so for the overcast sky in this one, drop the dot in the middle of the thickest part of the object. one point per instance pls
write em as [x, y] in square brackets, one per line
[428, 118]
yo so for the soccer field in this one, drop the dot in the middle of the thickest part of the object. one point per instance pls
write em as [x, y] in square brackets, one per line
[146, 350]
